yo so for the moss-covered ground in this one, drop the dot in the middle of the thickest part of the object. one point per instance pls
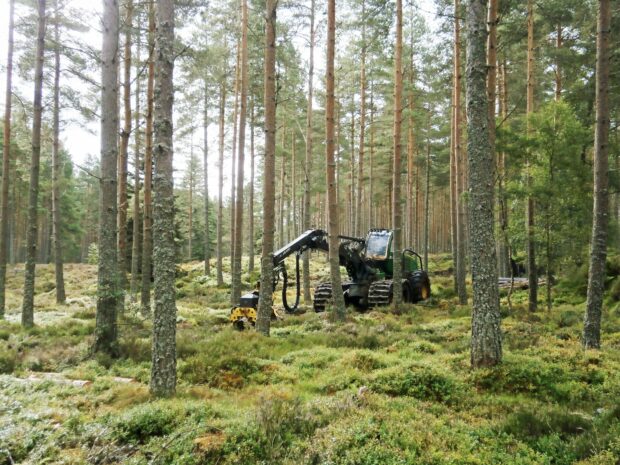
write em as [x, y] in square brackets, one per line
[384, 387]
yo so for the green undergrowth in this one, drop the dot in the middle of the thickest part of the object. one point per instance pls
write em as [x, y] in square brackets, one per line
[383, 387]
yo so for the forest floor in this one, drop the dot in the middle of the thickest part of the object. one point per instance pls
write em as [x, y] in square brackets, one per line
[381, 388]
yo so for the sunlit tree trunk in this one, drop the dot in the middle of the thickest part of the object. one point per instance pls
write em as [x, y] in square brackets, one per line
[106, 332]
[360, 162]
[459, 157]
[56, 169]
[598, 248]
[396, 171]
[163, 358]
[6, 162]
[251, 200]
[486, 348]
[263, 320]
[233, 174]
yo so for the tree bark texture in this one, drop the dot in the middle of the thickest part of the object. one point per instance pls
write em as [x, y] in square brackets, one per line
[598, 247]
[56, 170]
[330, 148]
[147, 236]
[6, 162]
[31, 236]
[124, 150]
[360, 162]
[263, 321]
[486, 348]
[396, 170]
[163, 356]
[243, 110]
[106, 332]
[251, 199]
[308, 160]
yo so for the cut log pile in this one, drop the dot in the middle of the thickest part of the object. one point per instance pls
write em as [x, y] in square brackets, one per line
[519, 283]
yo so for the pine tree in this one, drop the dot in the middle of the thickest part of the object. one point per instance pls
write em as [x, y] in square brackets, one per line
[598, 248]
[486, 349]
[330, 146]
[163, 358]
[263, 320]
[6, 162]
[106, 333]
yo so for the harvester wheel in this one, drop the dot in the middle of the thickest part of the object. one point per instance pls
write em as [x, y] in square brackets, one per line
[322, 296]
[420, 285]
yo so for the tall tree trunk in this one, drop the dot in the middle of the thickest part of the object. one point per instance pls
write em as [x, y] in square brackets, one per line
[308, 160]
[147, 235]
[532, 272]
[459, 157]
[108, 286]
[504, 243]
[163, 359]
[427, 190]
[396, 171]
[486, 348]
[558, 71]
[411, 143]
[238, 233]
[263, 320]
[56, 171]
[220, 204]
[251, 200]
[233, 176]
[31, 237]
[281, 240]
[371, 162]
[205, 163]
[453, 192]
[360, 163]
[123, 152]
[598, 248]
[135, 244]
[330, 147]
[6, 162]
[190, 207]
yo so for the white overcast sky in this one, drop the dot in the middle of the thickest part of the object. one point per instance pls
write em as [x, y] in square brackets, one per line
[81, 142]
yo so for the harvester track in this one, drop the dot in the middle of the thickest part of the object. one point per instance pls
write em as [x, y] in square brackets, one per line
[322, 296]
[380, 293]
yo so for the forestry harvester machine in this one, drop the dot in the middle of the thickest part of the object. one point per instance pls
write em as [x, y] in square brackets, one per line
[369, 263]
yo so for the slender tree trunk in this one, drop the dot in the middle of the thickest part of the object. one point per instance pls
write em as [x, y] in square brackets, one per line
[459, 157]
[31, 237]
[56, 170]
[532, 272]
[238, 233]
[220, 204]
[123, 152]
[396, 171]
[504, 249]
[360, 163]
[486, 348]
[163, 359]
[135, 244]
[282, 191]
[205, 163]
[453, 193]
[411, 143]
[190, 208]
[371, 162]
[558, 71]
[147, 236]
[233, 176]
[308, 161]
[330, 147]
[106, 332]
[263, 320]
[598, 248]
[427, 191]
[251, 200]
[6, 162]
